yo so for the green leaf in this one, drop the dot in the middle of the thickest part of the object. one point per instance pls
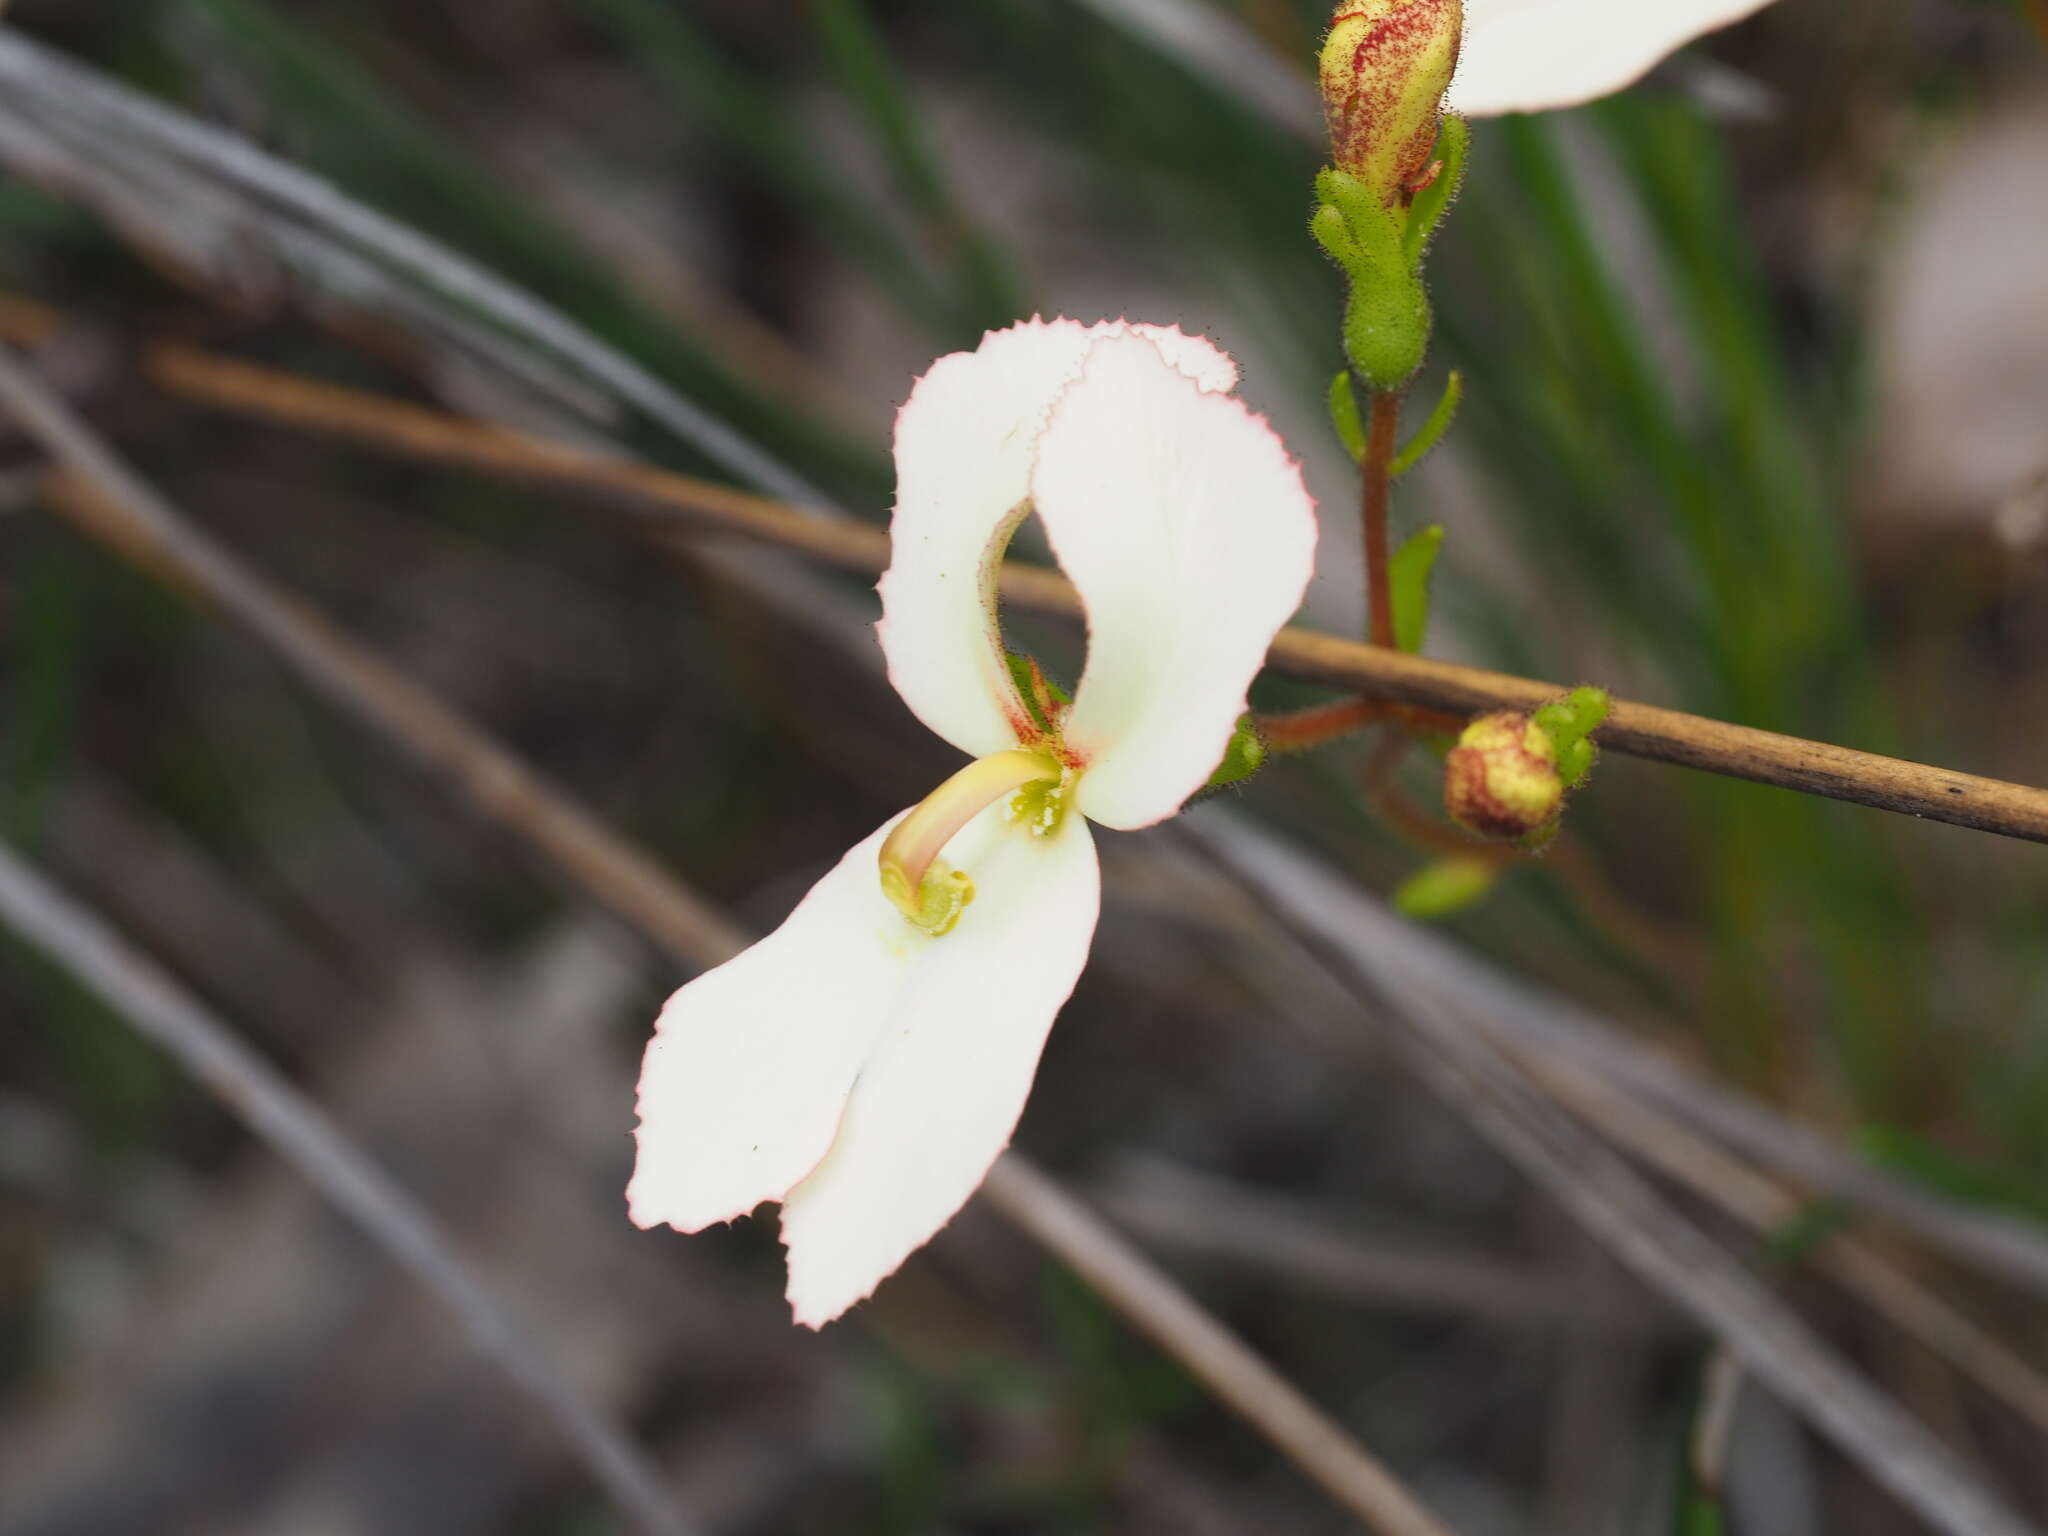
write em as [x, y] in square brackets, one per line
[1446, 888]
[1344, 416]
[1432, 430]
[1408, 573]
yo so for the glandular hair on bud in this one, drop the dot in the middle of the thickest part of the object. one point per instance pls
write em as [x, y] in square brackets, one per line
[1501, 780]
[1385, 67]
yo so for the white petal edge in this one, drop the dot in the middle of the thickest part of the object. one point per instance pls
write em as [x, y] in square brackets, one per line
[964, 445]
[1184, 522]
[939, 1099]
[745, 1080]
[1532, 55]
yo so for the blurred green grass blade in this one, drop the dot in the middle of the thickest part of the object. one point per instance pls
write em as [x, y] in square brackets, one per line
[860, 58]
[709, 88]
[1603, 334]
[29, 213]
[1679, 168]
[48, 643]
[1538, 417]
[1900, 1148]
[346, 122]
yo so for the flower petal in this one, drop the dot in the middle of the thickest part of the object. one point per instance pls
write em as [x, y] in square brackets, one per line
[964, 445]
[1531, 55]
[744, 1083]
[939, 1098]
[1185, 524]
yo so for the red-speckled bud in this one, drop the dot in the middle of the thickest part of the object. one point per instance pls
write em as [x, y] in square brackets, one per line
[1385, 67]
[1501, 779]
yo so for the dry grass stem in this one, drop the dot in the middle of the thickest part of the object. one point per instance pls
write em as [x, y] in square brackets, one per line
[295, 1127]
[1640, 730]
[1450, 1049]
[1766, 1207]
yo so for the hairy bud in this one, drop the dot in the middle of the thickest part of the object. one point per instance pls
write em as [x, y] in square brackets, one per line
[1501, 780]
[1385, 67]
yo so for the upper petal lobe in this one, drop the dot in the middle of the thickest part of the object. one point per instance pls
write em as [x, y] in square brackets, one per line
[1186, 526]
[965, 440]
[1532, 55]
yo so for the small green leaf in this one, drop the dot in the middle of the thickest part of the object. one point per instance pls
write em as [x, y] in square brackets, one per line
[1432, 430]
[1446, 888]
[1245, 756]
[1575, 716]
[1574, 762]
[1408, 574]
[1344, 415]
[1334, 236]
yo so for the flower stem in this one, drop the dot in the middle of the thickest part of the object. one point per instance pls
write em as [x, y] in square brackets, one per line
[1302, 729]
[1376, 495]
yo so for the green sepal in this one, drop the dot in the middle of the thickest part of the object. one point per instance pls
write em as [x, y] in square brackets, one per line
[1432, 430]
[1408, 573]
[1245, 755]
[1446, 888]
[1345, 418]
[1329, 230]
[1387, 318]
[1569, 722]
[1574, 762]
[1426, 210]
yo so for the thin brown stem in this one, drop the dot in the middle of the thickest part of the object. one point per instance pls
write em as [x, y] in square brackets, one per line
[1302, 730]
[1383, 425]
[1379, 672]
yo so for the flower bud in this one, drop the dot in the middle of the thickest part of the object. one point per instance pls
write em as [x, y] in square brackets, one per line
[1501, 780]
[1385, 67]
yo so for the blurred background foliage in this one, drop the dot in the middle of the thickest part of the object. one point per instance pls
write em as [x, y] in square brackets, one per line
[1756, 359]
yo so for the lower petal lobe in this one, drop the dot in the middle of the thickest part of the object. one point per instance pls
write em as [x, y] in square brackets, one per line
[951, 1066]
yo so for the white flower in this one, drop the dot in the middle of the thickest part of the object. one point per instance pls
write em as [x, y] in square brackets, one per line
[867, 1062]
[1530, 55]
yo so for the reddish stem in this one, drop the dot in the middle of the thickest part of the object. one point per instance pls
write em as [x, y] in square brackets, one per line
[1377, 494]
[1302, 729]
[1306, 728]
